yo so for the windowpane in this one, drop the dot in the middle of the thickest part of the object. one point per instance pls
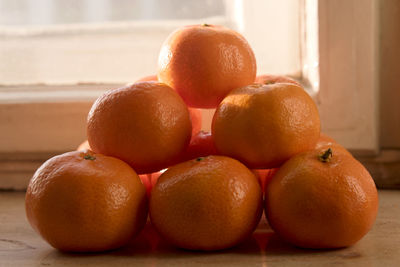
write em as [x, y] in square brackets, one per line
[47, 12]
[105, 41]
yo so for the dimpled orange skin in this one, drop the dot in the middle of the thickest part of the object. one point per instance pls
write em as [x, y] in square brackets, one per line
[265, 125]
[210, 204]
[79, 204]
[314, 204]
[146, 125]
[203, 63]
[195, 113]
[271, 79]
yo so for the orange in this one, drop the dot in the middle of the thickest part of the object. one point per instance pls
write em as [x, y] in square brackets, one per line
[208, 203]
[201, 145]
[324, 142]
[154, 177]
[195, 113]
[265, 125]
[149, 180]
[325, 139]
[203, 63]
[146, 179]
[146, 125]
[83, 201]
[264, 176]
[271, 79]
[321, 200]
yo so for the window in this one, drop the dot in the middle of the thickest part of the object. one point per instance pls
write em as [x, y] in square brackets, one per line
[56, 57]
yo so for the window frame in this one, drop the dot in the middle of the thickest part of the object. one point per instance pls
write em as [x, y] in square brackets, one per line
[358, 131]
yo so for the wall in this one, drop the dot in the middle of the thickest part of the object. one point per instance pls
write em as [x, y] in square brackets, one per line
[390, 74]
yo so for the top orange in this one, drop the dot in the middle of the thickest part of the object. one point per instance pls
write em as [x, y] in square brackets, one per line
[203, 63]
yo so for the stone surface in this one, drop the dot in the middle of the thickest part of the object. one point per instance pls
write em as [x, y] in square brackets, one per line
[21, 246]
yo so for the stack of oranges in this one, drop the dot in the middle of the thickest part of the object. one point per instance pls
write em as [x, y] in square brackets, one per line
[265, 151]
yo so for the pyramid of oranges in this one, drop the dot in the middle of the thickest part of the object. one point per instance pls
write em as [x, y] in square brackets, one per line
[147, 156]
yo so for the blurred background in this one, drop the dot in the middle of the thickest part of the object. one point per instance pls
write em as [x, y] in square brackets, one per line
[72, 35]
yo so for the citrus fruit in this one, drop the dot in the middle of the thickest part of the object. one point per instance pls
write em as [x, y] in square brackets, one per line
[271, 79]
[146, 181]
[324, 142]
[154, 177]
[264, 176]
[201, 145]
[265, 125]
[321, 200]
[203, 63]
[146, 125]
[195, 113]
[82, 201]
[207, 203]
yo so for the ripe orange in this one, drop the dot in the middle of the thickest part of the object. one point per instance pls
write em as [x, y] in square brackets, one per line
[146, 125]
[195, 116]
[147, 179]
[265, 125]
[195, 113]
[271, 79]
[321, 200]
[264, 176]
[206, 203]
[154, 177]
[203, 63]
[201, 145]
[324, 142]
[82, 201]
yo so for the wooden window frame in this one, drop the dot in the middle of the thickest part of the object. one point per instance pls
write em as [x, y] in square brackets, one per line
[347, 98]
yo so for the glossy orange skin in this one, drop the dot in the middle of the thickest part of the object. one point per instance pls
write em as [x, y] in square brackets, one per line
[195, 116]
[146, 125]
[79, 204]
[265, 125]
[314, 204]
[146, 179]
[201, 145]
[207, 204]
[195, 113]
[271, 79]
[203, 63]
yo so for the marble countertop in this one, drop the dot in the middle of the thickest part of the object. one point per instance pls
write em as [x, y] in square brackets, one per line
[21, 246]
